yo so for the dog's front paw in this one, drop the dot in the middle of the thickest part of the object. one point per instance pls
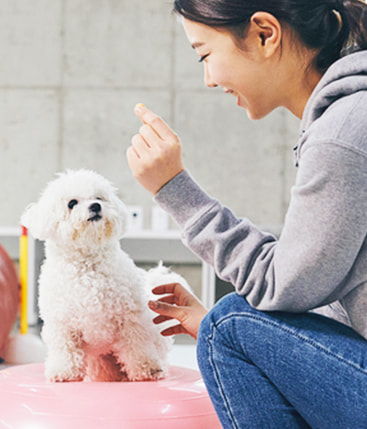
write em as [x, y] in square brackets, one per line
[157, 374]
[63, 374]
[64, 378]
[146, 371]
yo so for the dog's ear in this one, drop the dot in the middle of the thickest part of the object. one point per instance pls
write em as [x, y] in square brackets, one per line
[33, 219]
[123, 214]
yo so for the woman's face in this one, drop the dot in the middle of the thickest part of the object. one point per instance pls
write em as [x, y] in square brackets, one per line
[245, 74]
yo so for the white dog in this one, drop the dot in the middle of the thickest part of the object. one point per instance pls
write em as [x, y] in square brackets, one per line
[92, 297]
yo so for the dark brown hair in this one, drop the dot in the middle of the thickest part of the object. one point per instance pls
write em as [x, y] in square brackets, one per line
[333, 27]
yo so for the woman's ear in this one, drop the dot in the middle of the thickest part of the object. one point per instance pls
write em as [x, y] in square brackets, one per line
[268, 33]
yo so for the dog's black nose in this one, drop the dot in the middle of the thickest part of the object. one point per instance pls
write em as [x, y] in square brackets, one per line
[95, 208]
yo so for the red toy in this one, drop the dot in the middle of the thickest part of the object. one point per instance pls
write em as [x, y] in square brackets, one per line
[9, 298]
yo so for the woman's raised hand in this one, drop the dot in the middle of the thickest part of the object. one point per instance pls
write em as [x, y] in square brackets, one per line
[155, 153]
[180, 304]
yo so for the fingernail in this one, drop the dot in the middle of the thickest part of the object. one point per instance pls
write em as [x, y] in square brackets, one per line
[139, 107]
[152, 304]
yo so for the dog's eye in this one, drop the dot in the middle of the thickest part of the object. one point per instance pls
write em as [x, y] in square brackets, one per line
[99, 198]
[72, 203]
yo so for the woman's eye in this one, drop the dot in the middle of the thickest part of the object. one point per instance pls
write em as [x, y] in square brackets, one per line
[203, 58]
[72, 203]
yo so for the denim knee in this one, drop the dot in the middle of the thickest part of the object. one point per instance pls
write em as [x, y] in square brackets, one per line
[220, 309]
[229, 304]
[223, 309]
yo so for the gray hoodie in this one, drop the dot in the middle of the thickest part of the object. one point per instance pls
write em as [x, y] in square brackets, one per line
[319, 261]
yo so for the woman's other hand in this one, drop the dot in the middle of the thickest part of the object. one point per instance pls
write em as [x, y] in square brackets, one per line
[155, 153]
[180, 304]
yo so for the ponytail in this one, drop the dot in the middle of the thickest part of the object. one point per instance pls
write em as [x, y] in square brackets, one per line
[333, 27]
[356, 17]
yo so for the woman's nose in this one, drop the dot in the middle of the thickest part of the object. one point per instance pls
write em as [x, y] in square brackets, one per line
[207, 78]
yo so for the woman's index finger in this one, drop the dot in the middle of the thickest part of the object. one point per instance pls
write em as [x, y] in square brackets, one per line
[155, 121]
[164, 289]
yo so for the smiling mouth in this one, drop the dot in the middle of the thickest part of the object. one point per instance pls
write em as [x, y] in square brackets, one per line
[229, 91]
[95, 218]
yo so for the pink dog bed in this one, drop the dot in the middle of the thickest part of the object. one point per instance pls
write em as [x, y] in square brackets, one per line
[9, 297]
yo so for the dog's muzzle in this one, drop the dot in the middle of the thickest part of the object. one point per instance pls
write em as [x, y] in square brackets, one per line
[95, 209]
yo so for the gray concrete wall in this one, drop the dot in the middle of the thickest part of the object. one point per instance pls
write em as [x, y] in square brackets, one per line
[71, 72]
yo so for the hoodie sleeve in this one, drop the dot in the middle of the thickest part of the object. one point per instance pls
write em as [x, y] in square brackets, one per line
[324, 229]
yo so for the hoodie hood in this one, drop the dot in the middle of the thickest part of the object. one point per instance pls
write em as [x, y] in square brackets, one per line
[345, 77]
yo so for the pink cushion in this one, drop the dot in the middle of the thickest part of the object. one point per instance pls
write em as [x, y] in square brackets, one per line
[179, 401]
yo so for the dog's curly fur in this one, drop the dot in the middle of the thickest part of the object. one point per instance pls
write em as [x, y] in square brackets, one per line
[92, 297]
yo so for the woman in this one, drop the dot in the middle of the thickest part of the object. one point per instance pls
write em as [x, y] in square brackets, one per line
[267, 358]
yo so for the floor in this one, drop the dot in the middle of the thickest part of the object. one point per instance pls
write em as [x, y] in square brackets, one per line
[183, 353]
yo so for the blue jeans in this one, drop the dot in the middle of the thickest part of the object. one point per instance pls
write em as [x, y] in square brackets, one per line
[281, 370]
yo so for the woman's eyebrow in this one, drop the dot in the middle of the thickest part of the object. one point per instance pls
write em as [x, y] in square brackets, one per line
[197, 45]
